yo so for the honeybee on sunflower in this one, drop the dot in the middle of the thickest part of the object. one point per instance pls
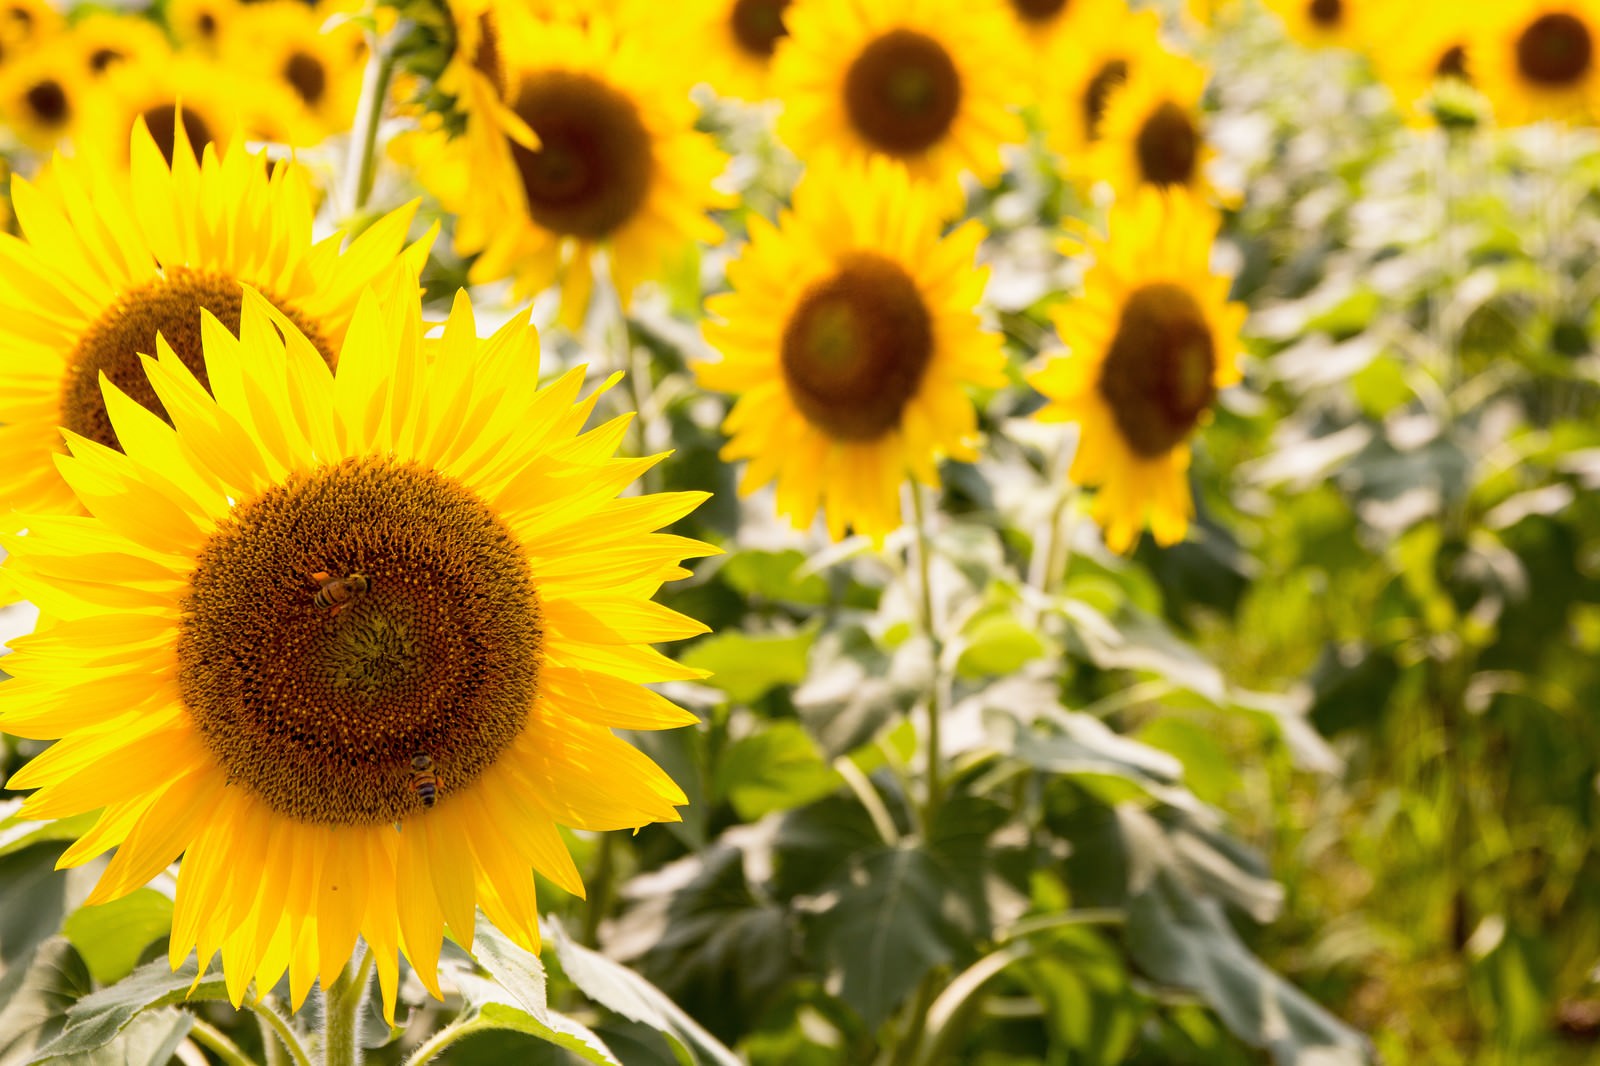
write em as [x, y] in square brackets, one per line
[1147, 347]
[927, 83]
[586, 145]
[1538, 59]
[850, 338]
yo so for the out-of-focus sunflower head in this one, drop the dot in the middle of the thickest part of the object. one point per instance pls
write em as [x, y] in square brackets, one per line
[1324, 23]
[928, 84]
[28, 21]
[215, 101]
[1419, 50]
[1083, 71]
[731, 42]
[1152, 131]
[104, 40]
[200, 24]
[285, 44]
[43, 95]
[1538, 59]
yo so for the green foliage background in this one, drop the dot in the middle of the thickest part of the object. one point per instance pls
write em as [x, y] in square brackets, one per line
[1317, 784]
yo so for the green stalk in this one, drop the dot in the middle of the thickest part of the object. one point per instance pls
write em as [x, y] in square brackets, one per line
[931, 628]
[341, 1014]
[208, 1035]
[369, 116]
[456, 1030]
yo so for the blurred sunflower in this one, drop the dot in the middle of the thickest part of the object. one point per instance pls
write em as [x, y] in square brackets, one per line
[589, 150]
[1148, 345]
[850, 336]
[109, 258]
[929, 83]
[1151, 132]
[1323, 23]
[283, 42]
[42, 96]
[29, 21]
[200, 24]
[1085, 69]
[218, 695]
[103, 40]
[1538, 59]
[737, 39]
[1416, 46]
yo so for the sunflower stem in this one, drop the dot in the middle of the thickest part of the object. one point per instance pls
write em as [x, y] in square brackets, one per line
[271, 1019]
[599, 890]
[208, 1035]
[456, 1030]
[341, 1013]
[363, 170]
[936, 642]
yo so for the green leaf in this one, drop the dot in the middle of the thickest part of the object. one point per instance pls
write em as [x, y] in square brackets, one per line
[517, 998]
[854, 687]
[765, 575]
[96, 1019]
[36, 998]
[698, 931]
[111, 936]
[613, 985]
[746, 667]
[887, 927]
[997, 645]
[17, 833]
[33, 899]
[149, 1040]
[777, 769]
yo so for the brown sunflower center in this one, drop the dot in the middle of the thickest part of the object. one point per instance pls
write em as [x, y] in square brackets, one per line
[591, 171]
[902, 92]
[348, 620]
[1106, 80]
[855, 348]
[1158, 374]
[206, 24]
[128, 328]
[307, 77]
[1039, 10]
[1326, 12]
[1452, 64]
[101, 58]
[162, 122]
[47, 101]
[758, 25]
[1555, 50]
[1168, 146]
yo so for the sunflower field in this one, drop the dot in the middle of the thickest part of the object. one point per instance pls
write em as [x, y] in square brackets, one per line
[799, 532]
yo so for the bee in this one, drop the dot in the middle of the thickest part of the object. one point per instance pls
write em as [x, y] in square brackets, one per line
[337, 592]
[423, 780]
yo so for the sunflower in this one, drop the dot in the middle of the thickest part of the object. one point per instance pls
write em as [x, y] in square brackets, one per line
[1323, 23]
[103, 40]
[1539, 59]
[283, 42]
[850, 335]
[42, 95]
[1151, 133]
[1414, 48]
[590, 149]
[926, 82]
[1148, 345]
[736, 39]
[29, 21]
[1085, 69]
[201, 23]
[306, 600]
[108, 258]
